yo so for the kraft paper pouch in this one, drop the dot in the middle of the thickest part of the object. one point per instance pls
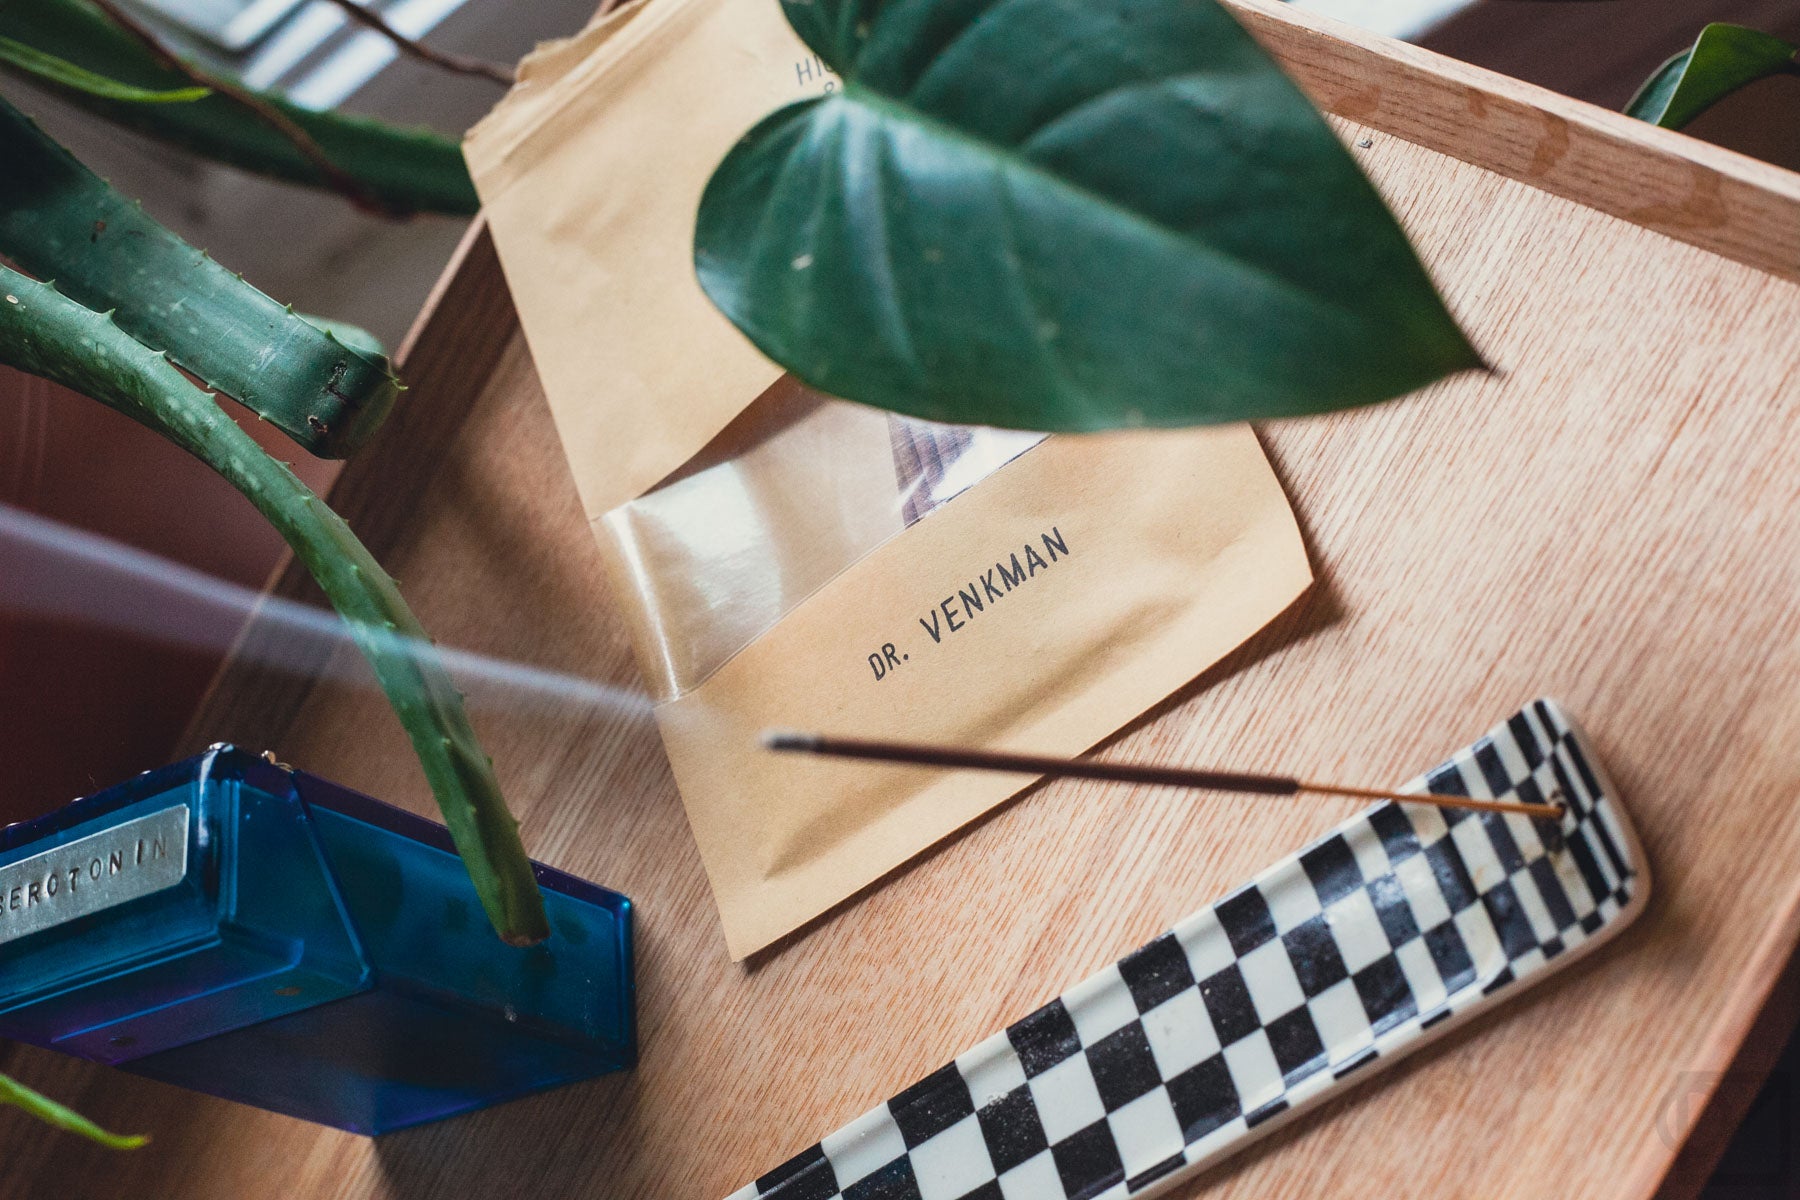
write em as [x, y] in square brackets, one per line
[785, 559]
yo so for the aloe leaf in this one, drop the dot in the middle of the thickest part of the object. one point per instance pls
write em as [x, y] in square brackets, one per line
[45, 333]
[1064, 215]
[50, 69]
[1722, 59]
[355, 337]
[60, 221]
[405, 169]
[45, 1109]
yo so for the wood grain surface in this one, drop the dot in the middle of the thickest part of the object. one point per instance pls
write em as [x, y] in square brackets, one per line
[1612, 519]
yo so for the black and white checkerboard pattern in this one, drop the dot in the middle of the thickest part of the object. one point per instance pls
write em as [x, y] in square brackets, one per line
[1337, 959]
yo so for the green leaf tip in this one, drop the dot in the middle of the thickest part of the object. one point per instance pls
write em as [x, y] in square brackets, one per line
[59, 72]
[1722, 60]
[16, 1094]
[1147, 225]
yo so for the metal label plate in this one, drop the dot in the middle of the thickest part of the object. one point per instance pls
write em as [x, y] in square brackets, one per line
[142, 856]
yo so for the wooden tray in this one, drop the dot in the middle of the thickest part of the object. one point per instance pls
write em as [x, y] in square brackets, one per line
[1614, 520]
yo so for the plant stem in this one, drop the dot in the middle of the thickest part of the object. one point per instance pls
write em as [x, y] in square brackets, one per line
[341, 180]
[45, 333]
[462, 64]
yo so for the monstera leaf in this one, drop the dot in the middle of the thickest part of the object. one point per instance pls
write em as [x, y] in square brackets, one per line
[1064, 215]
[1722, 59]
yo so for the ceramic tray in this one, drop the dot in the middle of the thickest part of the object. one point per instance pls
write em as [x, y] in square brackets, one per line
[1394, 927]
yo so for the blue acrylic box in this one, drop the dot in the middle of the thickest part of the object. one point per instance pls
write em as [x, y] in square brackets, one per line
[257, 933]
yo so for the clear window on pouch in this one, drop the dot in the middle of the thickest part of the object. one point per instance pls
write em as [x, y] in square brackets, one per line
[788, 496]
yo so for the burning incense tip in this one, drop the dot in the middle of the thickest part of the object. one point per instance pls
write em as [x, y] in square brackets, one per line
[789, 739]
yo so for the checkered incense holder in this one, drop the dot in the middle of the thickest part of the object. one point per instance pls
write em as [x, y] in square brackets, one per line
[1394, 927]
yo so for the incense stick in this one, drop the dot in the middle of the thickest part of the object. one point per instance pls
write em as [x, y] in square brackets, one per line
[926, 755]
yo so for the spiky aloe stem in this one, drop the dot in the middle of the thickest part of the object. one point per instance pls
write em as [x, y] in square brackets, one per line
[46, 333]
[60, 221]
[45, 1109]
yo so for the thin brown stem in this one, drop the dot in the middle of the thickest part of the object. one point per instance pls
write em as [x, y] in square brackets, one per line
[339, 179]
[462, 64]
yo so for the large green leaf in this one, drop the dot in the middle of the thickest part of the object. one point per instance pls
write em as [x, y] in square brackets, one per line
[45, 1109]
[403, 169]
[1064, 215]
[1722, 59]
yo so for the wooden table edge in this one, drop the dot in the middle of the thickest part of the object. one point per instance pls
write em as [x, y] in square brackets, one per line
[1717, 199]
